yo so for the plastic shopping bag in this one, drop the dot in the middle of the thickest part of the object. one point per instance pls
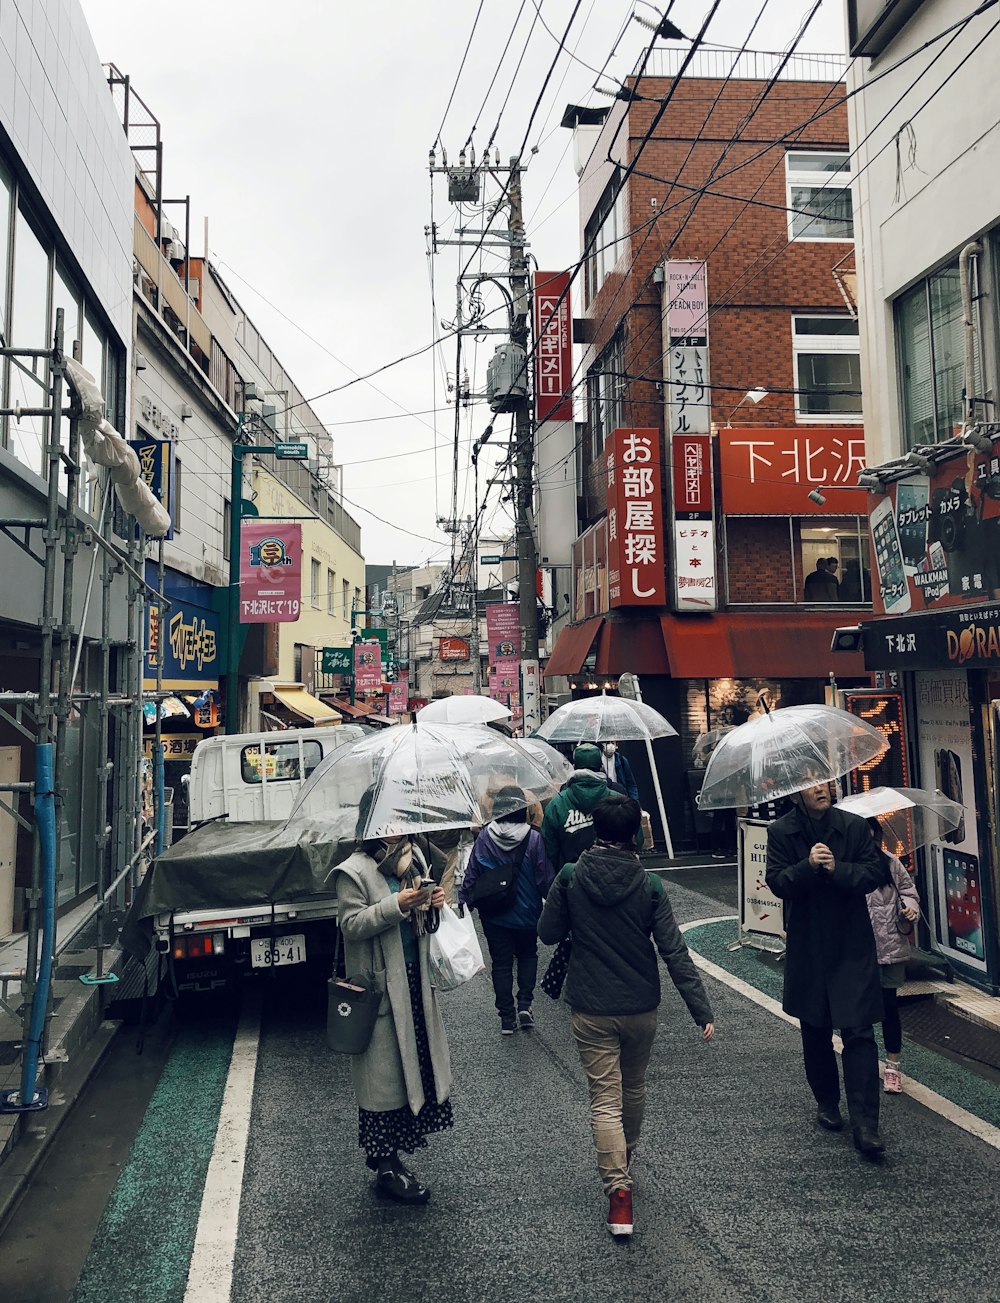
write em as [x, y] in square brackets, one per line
[455, 955]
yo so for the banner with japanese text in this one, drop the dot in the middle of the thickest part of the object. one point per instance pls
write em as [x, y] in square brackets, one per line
[399, 697]
[636, 554]
[772, 471]
[368, 666]
[270, 572]
[692, 502]
[685, 347]
[156, 470]
[553, 347]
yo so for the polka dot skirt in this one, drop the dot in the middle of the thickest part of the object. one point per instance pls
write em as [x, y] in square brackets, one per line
[382, 1134]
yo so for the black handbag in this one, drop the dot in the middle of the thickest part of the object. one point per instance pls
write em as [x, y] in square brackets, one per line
[495, 890]
[351, 1010]
[555, 974]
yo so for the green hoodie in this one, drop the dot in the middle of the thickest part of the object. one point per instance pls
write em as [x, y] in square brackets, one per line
[568, 829]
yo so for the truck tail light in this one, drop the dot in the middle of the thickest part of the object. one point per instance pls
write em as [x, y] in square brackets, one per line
[201, 945]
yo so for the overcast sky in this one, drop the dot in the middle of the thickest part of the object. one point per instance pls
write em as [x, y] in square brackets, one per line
[301, 131]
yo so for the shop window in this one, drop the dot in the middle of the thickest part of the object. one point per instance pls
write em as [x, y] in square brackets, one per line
[280, 761]
[605, 386]
[590, 572]
[930, 342]
[827, 363]
[833, 561]
[819, 196]
[769, 560]
[605, 236]
[314, 582]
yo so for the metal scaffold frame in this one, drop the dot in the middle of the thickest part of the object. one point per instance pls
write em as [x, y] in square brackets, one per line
[43, 717]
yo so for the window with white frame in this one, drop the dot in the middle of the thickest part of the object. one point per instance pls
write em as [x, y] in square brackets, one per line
[827, 367]
[605, 386]
[819, 196]
[314, 582]
[930, 344]
[605, 236]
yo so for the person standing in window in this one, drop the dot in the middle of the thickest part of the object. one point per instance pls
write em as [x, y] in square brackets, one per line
[820, 585]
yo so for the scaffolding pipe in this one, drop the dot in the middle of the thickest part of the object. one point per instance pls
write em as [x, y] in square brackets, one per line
[29, 1097]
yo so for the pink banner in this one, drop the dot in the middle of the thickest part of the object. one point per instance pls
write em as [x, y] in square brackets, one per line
[368, 666]
[399, 697]
[503, 630]
[270, 572]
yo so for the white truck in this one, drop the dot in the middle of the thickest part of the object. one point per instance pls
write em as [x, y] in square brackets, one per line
[241, 892]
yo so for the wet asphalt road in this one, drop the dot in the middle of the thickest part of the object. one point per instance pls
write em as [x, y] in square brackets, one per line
[738, 1195]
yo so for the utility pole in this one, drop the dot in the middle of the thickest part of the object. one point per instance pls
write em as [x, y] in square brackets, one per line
[527, 556]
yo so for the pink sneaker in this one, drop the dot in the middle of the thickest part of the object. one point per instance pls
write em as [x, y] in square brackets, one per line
[892, 1082]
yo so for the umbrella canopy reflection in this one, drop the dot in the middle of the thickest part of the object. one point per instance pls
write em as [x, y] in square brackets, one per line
[605, 719]
[910, 816]
[425, 777]
[784, 751]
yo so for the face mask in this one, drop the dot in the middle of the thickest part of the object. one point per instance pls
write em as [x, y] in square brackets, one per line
[610, 748]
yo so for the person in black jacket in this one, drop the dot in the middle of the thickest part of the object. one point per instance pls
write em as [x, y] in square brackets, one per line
[821, 862]
[616, 914]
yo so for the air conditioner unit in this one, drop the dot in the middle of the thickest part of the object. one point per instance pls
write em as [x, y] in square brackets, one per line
[250, 390]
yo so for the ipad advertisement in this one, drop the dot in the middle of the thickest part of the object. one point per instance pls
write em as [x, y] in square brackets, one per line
[935, 539]
[955, 909]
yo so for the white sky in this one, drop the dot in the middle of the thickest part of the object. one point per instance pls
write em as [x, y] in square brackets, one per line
[301, 130]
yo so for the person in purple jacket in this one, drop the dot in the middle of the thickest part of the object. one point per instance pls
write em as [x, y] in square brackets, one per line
[510, 930]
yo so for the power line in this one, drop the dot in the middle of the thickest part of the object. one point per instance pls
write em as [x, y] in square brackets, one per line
[458, 75]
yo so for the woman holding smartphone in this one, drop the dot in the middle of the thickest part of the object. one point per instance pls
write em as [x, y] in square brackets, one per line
[402, 1081]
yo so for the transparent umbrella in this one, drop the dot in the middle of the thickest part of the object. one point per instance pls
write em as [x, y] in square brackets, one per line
[425, 777]
[553, 763]
[462, 710]
[910, 816]
[705, 743]
[605, 719]
[775, 754]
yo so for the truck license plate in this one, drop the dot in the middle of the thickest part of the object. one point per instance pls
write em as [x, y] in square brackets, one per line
[265, 953]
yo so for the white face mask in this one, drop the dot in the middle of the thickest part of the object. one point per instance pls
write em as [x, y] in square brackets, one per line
[610, 748]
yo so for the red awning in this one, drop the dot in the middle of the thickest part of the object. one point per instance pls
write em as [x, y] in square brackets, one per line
[346, 709]
[781, 645]
[633, 646]
[573, 647]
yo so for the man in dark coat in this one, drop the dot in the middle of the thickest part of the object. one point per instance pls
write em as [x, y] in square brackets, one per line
[822, 863]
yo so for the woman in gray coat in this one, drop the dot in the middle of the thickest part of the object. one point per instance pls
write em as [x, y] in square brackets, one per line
[403, 1080]
[893, 907]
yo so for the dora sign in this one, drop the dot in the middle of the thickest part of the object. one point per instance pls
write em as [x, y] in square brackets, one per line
[957, 639]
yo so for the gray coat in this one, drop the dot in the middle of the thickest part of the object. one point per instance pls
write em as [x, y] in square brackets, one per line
[891, 946]
[387, 1075]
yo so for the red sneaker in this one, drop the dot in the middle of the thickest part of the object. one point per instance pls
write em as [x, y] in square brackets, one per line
[620, 1212]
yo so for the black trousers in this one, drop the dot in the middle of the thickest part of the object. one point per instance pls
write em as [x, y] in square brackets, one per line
[860, 1060]
[892, 1027]
[505, 945]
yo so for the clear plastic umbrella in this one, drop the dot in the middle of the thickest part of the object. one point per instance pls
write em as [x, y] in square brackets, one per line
[705, 744]
[775, 754]
[425, 777]
[910, 816]
[605, 719]
[462, 710]
[552, 762]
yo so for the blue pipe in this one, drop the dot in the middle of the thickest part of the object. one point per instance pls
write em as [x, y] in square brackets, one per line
[45, 821]
[158, 787]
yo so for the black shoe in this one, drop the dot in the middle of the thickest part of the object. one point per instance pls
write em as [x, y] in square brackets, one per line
[828, 1116]
[525, 1019]
[867, 1141]
[508, 1024]
[403, 1186]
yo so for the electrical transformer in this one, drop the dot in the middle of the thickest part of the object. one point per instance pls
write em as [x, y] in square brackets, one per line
[507, 378]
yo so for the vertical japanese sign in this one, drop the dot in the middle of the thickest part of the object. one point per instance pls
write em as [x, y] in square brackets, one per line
[685, 346]
[553, 347]
[399, 697]
[270, 572]
[636, 575]
[156, 470]
[368, 666]
[692, 497]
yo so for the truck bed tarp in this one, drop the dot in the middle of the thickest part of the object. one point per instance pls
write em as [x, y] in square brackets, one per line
[224, 865]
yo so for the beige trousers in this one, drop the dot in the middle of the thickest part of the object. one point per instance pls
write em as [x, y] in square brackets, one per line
[614, 1052]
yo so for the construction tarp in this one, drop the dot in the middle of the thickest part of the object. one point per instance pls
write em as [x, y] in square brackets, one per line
[225, 865]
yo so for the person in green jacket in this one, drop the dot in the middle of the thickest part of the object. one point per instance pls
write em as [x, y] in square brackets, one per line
[567, 828]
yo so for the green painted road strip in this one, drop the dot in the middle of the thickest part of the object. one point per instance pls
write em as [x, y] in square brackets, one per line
[952, 1081]
[143, 1244]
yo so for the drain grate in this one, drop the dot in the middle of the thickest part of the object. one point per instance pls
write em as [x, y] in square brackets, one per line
[930, 1023]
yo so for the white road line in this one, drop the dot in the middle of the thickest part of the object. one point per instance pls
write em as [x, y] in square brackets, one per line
[210, 1275]
[954, 1113]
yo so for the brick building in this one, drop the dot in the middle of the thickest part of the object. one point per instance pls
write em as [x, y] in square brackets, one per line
[716, 310]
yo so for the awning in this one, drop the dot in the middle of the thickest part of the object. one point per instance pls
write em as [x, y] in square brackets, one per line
[573, 647]
[347, 710]
[783, 645]
[302, 703]
[635, 646]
